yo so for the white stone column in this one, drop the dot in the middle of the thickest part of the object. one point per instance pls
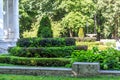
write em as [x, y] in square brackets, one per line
[6, 18]
[11, 29]
[1, 20]
[16, 18]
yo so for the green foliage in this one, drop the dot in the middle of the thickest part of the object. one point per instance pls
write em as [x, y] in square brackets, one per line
[69, 41]
[81, 33]
[39, 77]
[103, 15]
[89, 39]
[81, 47]
[107, 16]
[78, 13]
[45, 42]
[73, 21]
[34, 61]
[109, 59]
[111, 43]
[4, 59]
[89, 44]
[42, 52]
[44, 30]
[48, 52]
[85, 39]
[27, 16]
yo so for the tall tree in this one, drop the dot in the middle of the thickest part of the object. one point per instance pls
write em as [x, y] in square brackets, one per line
[32, 10]
[44, 30]
[110, 10]
[79, 12]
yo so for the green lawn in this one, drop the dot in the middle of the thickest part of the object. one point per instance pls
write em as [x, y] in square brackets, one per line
[21, 77]
[4, 64]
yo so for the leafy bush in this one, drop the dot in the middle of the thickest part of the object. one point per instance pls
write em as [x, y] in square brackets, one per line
[45, 51]
[69, 41]
[88, 43]
[34, 61]
[109, 59]
[45, 42]
[4, 59]
[83, 47]
[91, 44]
[85, 39]
[89, 39]
[42, 52]
[112, 44]
[81, 33]
[45, 30]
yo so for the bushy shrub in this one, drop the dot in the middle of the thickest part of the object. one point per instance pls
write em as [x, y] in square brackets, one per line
[85, 39]
[45, 42]
[45, 51]
[90, 45]
[34, 61]
[109, 59]
[89, 39]
[69, 41]
[81, 33]
[24, 42]
[50, 42]
[83, 47]
[44, 30]
[42, 52]
[4, 59]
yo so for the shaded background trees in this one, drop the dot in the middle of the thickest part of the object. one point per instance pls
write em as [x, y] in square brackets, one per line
[67, 16]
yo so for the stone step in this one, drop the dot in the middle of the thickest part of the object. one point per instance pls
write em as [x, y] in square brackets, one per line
[36, 71]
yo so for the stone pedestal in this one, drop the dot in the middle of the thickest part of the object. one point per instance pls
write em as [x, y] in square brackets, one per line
[85, 69]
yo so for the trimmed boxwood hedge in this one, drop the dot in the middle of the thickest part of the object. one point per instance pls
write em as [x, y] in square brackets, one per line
[85, 39]
[49, 52]
[34, 61]
[45, 42]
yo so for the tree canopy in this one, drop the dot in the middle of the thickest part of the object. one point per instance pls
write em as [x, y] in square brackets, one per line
[100, 16]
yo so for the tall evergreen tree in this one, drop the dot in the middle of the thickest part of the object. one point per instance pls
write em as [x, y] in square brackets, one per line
[44, 30]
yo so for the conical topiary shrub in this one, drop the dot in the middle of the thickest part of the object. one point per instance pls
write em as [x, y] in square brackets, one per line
[81, 33]
[44, 30]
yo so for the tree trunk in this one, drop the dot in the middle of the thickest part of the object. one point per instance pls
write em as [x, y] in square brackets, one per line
[98, 36]
[70, 32]
[95, 22]
[116, 30]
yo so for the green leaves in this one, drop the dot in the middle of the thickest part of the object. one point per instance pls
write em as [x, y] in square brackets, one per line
[45, 30]
[110, 10]
[109, 59]
[73, 14]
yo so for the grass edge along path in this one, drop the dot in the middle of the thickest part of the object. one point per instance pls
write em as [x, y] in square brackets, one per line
[28, 77]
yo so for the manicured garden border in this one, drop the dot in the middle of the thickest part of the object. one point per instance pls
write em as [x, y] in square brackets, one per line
[56, 62]
[78, 69]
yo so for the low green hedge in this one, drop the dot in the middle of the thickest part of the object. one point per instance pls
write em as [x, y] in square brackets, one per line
[34, 61]
[45, 51]
[4, 59]
[42, 52]
[108, 59]
[45, 42]
[86, 39]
